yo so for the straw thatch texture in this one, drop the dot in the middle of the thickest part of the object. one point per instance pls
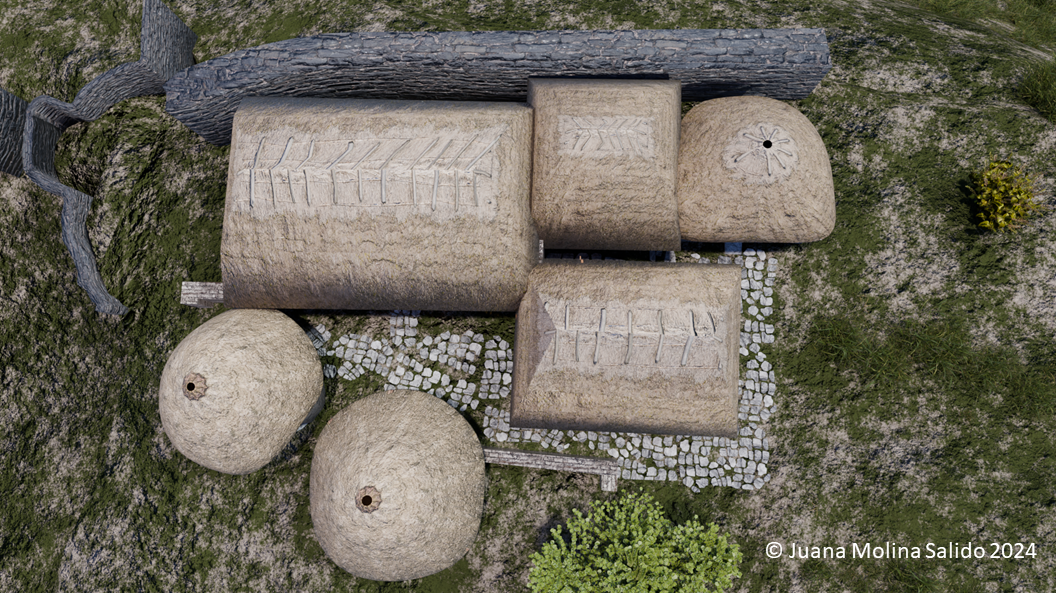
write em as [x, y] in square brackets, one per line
[606, 154]
[628, 347]
[364, 204]
[753, 169]
[422, 467]
[235, 390]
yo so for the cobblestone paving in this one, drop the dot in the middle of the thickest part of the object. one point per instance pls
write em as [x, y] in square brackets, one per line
[409, 360]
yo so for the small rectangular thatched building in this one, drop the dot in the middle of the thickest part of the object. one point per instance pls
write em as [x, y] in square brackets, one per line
[603, 172]
[628, 346]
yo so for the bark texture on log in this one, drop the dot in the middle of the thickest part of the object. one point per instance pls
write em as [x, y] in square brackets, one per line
[165, 48]
[781, 64]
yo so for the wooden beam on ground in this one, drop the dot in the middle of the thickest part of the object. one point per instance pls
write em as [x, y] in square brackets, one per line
[606, 468]
[202, 294]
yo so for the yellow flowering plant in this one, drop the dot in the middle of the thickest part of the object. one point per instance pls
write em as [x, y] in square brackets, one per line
[1005, 194]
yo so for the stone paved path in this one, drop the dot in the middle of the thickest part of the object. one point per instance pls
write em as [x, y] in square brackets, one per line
[410, 361]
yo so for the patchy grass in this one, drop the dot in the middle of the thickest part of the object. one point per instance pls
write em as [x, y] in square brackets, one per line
[915, 354]
[1038, 89]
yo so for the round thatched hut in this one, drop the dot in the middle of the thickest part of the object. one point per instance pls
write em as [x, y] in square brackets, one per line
[753, 169]
[397, 486]
[237, 388]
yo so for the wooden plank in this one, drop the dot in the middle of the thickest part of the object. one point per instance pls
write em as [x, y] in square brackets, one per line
[605, 468]
[202, 294]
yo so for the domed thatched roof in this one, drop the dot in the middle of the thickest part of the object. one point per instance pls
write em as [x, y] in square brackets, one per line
[236, 389]
[397, 486]
[753, 169]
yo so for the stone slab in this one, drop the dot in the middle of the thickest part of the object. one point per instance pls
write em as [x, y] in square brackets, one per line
[628, 347]
[373, 204]
[604, 163]
[753, 170]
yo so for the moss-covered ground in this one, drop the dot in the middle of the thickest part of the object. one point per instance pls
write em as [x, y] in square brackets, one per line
[915, 353]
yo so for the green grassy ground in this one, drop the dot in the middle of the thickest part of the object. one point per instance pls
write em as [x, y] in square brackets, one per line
[915, 352]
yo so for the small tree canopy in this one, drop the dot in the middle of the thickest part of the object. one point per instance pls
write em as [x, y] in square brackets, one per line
[629, 546]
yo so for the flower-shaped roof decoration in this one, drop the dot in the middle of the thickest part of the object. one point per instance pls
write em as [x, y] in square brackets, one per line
[762, 154]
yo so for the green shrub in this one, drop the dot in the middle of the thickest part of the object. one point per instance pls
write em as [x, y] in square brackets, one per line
[628, 546]
[1005, 195]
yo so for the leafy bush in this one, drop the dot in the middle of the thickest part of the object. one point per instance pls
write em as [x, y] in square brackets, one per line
[628, 546]
[1004, 193]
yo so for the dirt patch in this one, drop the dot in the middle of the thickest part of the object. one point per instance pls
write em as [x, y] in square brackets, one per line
[519, 518]
[911, 264]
